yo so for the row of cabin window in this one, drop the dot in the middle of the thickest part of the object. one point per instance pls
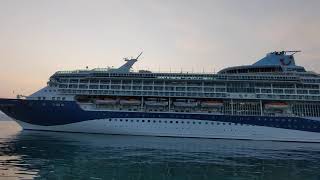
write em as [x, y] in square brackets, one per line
[53, 98]
[58, 98]
[182, 122]
[242, 84]
[246, 90]
[213, 123]
[155, 93]
[50, 90]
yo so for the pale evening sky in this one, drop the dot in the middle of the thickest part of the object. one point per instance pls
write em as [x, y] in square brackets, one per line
[39, 37]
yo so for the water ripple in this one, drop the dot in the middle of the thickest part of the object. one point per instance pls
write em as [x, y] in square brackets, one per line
[45, 155]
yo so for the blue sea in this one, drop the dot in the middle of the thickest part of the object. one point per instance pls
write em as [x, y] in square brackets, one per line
[51, 155]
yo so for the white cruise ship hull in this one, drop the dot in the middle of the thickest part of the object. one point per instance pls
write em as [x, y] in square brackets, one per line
[193, 129]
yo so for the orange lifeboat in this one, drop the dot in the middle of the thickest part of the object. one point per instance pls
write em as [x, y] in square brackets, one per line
[212, 104]
[131, 102]
[105, 101]
[156, 103]
[277, 105]
[185, 103]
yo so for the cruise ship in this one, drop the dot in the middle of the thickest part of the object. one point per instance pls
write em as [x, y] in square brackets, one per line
[272, 99]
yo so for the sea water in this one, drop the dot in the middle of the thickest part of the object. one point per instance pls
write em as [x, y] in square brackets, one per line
[53, 155]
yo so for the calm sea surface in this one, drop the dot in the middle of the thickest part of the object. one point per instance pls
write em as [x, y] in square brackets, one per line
[46, 155]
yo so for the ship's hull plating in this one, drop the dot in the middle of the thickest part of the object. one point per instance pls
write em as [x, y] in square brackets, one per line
[69, 117]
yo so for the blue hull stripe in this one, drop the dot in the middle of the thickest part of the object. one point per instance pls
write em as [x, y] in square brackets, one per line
[49, 113]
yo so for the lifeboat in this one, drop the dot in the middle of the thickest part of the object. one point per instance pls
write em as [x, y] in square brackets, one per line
[212, 104]
[277, 105]
[156, 103]
[131, 102]
[105, 101]
[181, 103]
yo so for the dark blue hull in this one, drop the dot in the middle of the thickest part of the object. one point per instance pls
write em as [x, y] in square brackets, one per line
[51, 113]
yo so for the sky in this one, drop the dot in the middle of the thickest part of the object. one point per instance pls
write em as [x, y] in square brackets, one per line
[40, 37]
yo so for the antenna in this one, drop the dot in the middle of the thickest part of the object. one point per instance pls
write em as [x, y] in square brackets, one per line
[293, 52]
[139, 55]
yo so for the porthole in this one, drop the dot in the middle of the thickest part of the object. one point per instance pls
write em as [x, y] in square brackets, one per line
[177, 122]
[110, 120]
[154, 121]
[148, 120]
[142, 120]
[126, 120]
[120, 120]
[171, 121]
[199, 123]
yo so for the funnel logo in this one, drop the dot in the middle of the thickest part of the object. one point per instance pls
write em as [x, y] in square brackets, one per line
[283, 63]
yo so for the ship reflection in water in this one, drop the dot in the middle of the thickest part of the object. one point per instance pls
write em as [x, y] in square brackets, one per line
[50, 155]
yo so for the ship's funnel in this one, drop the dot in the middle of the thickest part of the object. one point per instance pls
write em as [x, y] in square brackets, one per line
[282, 58]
